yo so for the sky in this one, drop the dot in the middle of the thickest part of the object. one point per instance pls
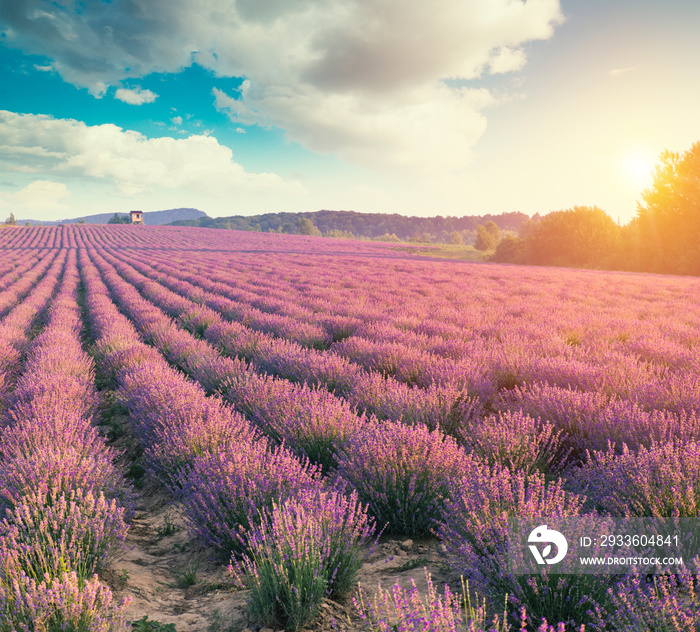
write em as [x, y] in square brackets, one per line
[241, 107]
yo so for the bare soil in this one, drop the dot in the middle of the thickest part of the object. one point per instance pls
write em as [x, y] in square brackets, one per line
[172, 580]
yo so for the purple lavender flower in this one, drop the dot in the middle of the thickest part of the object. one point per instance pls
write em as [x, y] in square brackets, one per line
[661, 602]
[403, 610]
[662, 480]
[175, 421]
[63, 603]
[51, 532]
[516, 441]
[474, 531]
[311, 422]
[403, 473]
[226, 491]
[301, 550]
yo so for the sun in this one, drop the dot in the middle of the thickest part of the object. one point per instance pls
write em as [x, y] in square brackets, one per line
[637, 168]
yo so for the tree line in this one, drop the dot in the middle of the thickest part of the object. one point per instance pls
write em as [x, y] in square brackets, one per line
[351, 224]
[663, 237]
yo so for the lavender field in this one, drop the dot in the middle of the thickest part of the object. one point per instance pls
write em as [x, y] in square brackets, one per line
[306, 404]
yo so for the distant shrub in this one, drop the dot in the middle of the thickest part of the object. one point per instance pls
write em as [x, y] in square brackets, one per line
[119, 219]
[403, 473]
[580, 236]
[387, 237]
[487, 236]
[336, 233]
[306, 227]
[510, 250]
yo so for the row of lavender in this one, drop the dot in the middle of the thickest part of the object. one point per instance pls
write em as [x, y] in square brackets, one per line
[334, 507]
[282, 287]
[62, 498]
[460, 315]
[369, 391]
[241, 491]
[465, 328]
[226, 492]
[591, 418]
[604, 471]
[17, 313]
[464, 520]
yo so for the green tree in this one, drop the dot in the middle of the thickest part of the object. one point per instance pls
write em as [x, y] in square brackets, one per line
[510, 250]
[11, 221]
[306, 227]
[336, 233]
[487, 236]
[668, 218]
[584, 236]
[117, 219]
[456, 238]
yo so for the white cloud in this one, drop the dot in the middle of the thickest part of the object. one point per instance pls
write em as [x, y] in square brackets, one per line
[365, 80]
[135, 96]
[177, 120]
[40, 195]
[397, 133]
[507, 60]
[128, 159]
[617, 72]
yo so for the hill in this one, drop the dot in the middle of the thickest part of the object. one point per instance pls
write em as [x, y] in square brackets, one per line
[367, 225]
[150, 218]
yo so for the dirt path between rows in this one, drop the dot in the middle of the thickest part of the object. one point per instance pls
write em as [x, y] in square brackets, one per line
[160, 562]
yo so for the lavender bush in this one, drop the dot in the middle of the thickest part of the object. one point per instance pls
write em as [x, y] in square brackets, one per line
[400, 610]
[174, 420]
[64, 469]
[516, 441]
[407, 611]
[51, 533]
[62, 604]
[661, 603]
[402, 473]
[474, 531]
[591, 420]
[662, 480]
[310, 421]
[301, 551]
[226, 491]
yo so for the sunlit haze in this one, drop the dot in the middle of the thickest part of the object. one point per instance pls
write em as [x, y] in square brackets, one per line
[410, 107]
[638, 167]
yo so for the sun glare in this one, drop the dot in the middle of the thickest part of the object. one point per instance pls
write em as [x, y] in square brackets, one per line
[638, 168]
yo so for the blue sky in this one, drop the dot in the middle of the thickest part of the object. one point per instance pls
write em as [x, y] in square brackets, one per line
[251, 106]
